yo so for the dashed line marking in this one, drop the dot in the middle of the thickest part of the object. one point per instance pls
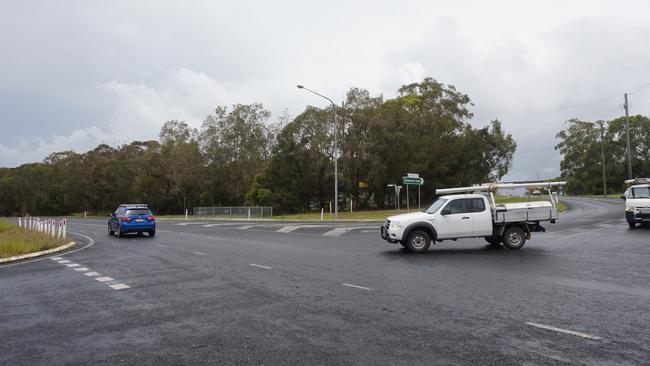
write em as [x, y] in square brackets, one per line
[104, 279]
[198, 253]
[92, 274]
[565, 331]
[64, 261]
[357, 286]
[73, 265]
[162, 246]
[82, 269]
[119, 286]
[56, 258]
[261, 266]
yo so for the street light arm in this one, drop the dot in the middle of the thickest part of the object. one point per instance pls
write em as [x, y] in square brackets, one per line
[317, 93]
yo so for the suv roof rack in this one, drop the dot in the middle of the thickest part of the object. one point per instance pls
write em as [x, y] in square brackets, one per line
[134, 205]
[637, 181]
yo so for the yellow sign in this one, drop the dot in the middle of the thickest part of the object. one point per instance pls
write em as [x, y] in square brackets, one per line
[363, 185]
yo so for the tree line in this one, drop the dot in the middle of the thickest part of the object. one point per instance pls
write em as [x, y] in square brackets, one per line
[238, 157]
[580, 144]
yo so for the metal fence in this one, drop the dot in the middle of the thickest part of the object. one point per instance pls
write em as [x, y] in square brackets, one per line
[257, 212]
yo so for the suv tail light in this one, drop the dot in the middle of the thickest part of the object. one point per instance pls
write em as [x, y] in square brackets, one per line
[127, 219]
[151, 218]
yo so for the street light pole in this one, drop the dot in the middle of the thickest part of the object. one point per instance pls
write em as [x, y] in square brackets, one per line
[336, 153]
[627, 138]
[602, 143]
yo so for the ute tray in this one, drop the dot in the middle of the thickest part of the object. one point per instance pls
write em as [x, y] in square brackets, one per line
[525, 212]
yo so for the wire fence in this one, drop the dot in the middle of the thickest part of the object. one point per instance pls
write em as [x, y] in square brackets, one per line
[253, 212]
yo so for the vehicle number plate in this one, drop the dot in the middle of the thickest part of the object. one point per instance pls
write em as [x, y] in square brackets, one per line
[139, 220]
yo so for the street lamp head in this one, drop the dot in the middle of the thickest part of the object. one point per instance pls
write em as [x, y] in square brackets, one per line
[300, 86]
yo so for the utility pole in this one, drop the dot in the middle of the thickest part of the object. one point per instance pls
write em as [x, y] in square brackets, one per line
[602, 142]
[627, 137]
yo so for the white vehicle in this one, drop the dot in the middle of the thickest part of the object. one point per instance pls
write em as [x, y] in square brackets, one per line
[637, 201]
[471, 212]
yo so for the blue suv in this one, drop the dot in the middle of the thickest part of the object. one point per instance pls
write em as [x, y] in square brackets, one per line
[132, 218]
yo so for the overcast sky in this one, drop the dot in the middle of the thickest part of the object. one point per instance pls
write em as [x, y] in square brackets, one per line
[74, 74]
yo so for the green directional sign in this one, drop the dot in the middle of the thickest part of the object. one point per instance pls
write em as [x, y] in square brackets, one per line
[413, 181]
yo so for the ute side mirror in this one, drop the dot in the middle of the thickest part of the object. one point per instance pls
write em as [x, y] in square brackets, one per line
[622, 196]
[446, 211]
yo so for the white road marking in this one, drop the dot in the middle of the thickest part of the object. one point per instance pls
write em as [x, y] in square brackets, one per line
[198, 253]
[64, 261]
[245, 227]
[119, 286]
[56, 258]
[566, 331]
[104, 279]
[337, 232]
[82, 269]
[191, 223]
[355, 286]
[287, 229]
[73, 265]
[162, 246]
[223, 224]
[261, 266]
[342, 230]
[92, 274]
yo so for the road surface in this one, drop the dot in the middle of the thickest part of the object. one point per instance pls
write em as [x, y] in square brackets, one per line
[223, 292]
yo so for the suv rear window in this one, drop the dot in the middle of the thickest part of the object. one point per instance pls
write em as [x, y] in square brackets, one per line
[138, 212]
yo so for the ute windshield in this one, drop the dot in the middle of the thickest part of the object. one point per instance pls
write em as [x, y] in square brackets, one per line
[436, 205]
[639, 192]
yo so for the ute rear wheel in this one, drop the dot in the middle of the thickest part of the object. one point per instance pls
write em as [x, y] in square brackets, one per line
[418, 241]
[514, 238]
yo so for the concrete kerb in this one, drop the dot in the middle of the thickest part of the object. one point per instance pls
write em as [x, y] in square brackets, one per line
[37, 254]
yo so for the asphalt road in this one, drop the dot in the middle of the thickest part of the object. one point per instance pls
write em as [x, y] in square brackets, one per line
[290, 293]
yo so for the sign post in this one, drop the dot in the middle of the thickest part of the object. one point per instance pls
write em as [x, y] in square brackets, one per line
[412, 179]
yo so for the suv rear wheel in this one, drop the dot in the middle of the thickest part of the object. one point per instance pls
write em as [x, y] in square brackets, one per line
[110, 230]
[418, 241]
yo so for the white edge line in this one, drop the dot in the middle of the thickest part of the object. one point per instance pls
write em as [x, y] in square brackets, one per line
[261, 266]
[355, 286]
[198, 253]
[566, 331]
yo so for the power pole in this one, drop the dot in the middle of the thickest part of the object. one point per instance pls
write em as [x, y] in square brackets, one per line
[627, 137]
[602, 142]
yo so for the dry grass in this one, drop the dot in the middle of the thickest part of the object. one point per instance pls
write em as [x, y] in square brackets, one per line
[17, 241]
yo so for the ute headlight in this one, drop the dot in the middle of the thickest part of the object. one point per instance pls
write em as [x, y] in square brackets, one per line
[396, 225]
[630, 209]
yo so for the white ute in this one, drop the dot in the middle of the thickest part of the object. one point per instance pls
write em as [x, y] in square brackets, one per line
[471, 212]
[637, 201]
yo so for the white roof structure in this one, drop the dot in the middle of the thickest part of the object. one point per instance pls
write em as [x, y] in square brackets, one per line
[492, 187]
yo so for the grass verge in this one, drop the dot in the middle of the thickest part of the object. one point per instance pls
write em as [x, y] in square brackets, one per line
[17, 241]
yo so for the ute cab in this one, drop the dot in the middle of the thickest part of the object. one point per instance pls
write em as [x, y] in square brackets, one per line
[637, 201]
[132, 218]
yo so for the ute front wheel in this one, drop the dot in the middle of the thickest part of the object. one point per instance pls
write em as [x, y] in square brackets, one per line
[418, 241]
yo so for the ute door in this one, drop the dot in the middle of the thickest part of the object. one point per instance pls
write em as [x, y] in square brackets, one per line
[454, 220]
[481, 216]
